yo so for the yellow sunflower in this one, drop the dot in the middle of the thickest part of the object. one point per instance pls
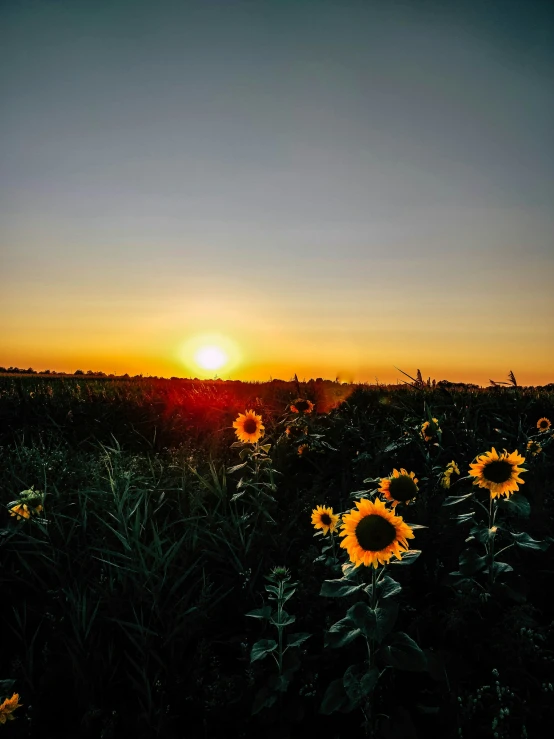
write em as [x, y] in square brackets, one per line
[323, 518]
[302, 406]
[248, 426]
[8, 707]
[429, 429]
[451, 468]
[399, 487]
[534, 448]
[543, 424]
[373, 534]
[498, 473]
[22, 510]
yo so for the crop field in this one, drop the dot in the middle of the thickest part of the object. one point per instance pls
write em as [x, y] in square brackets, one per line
[201, 560]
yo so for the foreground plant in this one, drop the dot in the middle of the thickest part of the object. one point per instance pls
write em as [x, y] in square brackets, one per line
[325, 521]
[280, 590]
[373, 534]
[499, 474]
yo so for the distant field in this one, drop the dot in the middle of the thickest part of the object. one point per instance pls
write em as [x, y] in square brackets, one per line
[139, 589]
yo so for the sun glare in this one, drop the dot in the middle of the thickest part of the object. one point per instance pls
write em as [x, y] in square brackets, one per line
[210, 357]
[205, 354]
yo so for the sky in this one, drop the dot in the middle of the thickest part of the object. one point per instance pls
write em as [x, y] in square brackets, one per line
[332, 188]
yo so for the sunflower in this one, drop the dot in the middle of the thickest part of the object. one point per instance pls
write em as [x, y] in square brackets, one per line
[543, 424]
[451, 468]
[302, 406]
[498, 473]
[534, 448]
[22, 510]
[323, 518]
[248, 426]
[8, 707]
[373, 534]
[302, 449]
[429, 429]
[399, 487]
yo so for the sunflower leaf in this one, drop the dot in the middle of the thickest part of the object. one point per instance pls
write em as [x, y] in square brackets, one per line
[286, 620]
[364, 617]
[386, 588]
[386, 615]
[455, 499]
[359, 683]
[295, 640]
[525, 541]
[262, 648]
[335, 698]
[341, 633]
[236, 467]
[470, 562]
[500, 568]
[517, 504]
[404, 654]
[338, 588]
[264, 612]
[463, 517]
[408, 557]
[264, 698]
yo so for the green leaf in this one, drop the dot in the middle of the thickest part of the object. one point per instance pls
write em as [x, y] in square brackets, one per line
[525, 541]
[386, 588]
[358, 682]
[295, 640]
[463, 517]
[455, 499]
[264, 699]
[386, 615]
[341, 634]
[470, 562]
[262, 648]
[362, 616]
[499, 568]
[286, 619]
[403, 653]
[339, 588]
[264, 612]
[481, 532]
[408, 557]
[265, 447]
[517, 504]
[236, 467]
[335, 698]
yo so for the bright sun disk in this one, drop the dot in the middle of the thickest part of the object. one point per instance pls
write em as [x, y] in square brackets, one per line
[210, 357]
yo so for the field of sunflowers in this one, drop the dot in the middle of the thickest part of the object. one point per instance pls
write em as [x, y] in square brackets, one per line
[210, 560]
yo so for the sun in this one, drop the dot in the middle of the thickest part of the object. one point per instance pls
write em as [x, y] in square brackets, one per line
[209, 353]
[211, 357]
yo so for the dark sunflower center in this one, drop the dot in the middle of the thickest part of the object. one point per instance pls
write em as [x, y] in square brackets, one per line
[499, 471]
[250, 426]
[543, 425]
[326, 519]
[301, 405]
[374, 533]
[402, 488]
